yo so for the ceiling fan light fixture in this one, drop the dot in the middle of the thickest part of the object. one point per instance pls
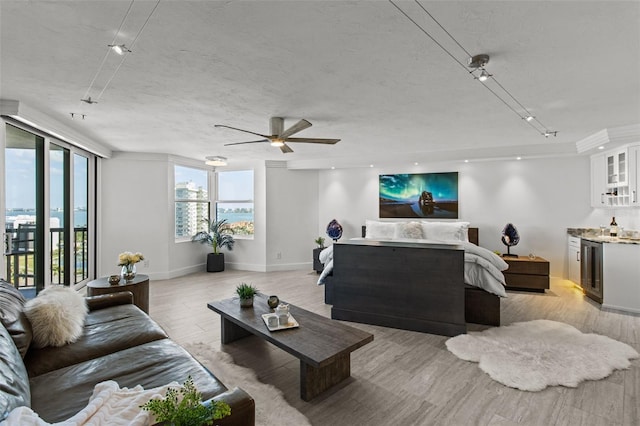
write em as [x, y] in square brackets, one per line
[216, 160]
[277, 142]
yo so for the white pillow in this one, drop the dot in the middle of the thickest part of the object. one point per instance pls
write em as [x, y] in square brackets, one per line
[57, 316]
[412, 230]
[446, 231]
[380, 230]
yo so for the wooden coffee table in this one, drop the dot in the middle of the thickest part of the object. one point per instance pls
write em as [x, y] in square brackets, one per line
[323, 346]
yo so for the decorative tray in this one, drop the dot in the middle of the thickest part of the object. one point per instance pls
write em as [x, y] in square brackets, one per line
[292, 322]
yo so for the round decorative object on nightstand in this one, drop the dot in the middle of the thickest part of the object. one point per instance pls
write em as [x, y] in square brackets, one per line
[114, 279]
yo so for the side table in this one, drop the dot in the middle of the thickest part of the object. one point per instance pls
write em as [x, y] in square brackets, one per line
[139, 286]
[525, 273]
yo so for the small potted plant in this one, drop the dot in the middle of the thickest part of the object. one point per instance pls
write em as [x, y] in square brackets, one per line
[219, 235]
[320, 242]
[246, 293]
[317, 266]
[184, 407]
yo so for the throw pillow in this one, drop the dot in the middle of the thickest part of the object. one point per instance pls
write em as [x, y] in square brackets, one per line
[57, 316]
[380, 230]
[412, 230]
[446, 231]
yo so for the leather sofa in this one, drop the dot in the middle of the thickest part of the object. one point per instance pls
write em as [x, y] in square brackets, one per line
[120, 343]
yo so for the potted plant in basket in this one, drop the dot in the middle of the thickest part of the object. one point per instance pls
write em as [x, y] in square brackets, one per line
[246, 293]
[219, 235]
[187, 410]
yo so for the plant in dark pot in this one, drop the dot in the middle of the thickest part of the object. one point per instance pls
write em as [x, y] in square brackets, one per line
[219, 235]
[246, 293]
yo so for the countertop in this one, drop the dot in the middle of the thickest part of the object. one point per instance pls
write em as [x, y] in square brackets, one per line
[594, 234]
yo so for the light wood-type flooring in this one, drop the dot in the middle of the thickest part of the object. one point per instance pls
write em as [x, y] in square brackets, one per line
[404, 377]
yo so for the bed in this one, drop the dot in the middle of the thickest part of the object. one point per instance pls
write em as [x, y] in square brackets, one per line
[414, 283]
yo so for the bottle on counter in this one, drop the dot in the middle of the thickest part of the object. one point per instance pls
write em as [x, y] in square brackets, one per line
[613, 227]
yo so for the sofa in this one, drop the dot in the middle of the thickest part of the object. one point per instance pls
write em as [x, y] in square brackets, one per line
[119, 342]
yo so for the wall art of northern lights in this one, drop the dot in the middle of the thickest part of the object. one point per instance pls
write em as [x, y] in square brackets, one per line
[433, 195]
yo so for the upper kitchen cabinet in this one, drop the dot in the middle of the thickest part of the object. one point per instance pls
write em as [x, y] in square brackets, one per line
[614, 177]
[615, 166]
[634, 177]
[617, 173]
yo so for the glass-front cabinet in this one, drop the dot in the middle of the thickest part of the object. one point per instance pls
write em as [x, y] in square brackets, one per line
[614, 177]
[617, 168]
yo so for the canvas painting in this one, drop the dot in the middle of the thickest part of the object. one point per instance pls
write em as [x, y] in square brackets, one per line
[423, 195]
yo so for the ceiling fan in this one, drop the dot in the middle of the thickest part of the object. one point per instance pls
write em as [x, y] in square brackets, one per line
[280, 137]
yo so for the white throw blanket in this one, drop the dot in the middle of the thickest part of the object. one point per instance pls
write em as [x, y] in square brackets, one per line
[482, 267]
[109, 405]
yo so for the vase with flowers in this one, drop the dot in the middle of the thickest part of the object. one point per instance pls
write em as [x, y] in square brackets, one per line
[128, 262]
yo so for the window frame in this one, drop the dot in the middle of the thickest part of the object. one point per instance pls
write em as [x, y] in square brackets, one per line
[217, 200]
[207, 202]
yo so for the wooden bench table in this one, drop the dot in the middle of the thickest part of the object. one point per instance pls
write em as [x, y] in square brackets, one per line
[323, 346]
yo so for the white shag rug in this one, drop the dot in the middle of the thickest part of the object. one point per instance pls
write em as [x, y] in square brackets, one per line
[535, 354]
[271, 407]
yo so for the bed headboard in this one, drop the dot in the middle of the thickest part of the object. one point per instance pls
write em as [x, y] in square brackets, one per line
[473, 234]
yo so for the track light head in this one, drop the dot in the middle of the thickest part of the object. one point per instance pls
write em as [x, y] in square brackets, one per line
[478, 61]
[216, 160]
[120, 49]
[548, 133]
[484, 76]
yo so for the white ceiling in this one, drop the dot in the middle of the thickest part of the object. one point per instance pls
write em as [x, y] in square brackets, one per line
[358, 70]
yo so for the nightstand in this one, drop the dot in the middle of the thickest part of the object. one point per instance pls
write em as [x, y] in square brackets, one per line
[528, 274]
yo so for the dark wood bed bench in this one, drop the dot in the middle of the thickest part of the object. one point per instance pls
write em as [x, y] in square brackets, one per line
[411, 286]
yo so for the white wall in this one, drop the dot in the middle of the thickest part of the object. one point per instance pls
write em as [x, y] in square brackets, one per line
[136, 211]
[292, 217]
[541, 197]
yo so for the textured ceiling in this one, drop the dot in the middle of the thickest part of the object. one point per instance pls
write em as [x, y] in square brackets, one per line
[359, 71]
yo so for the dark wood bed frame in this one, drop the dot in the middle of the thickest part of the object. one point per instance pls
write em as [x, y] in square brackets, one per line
[410, 286]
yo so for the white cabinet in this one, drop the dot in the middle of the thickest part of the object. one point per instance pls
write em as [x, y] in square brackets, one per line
[617, 172]
[615, 177]
[599, 197]
[573, 259]
[634, 175]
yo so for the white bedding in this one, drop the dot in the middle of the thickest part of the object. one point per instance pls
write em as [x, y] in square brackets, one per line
[482, 267]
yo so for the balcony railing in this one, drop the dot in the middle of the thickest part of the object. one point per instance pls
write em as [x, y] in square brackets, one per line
[20, 255]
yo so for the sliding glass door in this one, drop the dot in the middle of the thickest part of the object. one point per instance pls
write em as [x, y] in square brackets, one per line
[48, 206]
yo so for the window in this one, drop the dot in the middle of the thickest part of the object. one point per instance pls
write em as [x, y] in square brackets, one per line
[191, 201]
[234, 201]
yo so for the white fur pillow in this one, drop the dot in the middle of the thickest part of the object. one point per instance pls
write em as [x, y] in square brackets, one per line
[57, 316]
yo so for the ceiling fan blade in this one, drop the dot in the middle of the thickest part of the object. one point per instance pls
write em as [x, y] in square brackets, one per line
[285, 149]
[241, 130]
[300, 125]
[242, 143]
[277, 126]
[314, 140]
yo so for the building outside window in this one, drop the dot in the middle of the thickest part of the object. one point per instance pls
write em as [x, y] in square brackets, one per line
[191, 201]
[234, 201]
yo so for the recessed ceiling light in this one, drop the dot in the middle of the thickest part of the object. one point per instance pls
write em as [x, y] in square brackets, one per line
[333, 167]
[601, 147]
[466, 161]
[518, 158]
[370, 165]
[416, 163]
